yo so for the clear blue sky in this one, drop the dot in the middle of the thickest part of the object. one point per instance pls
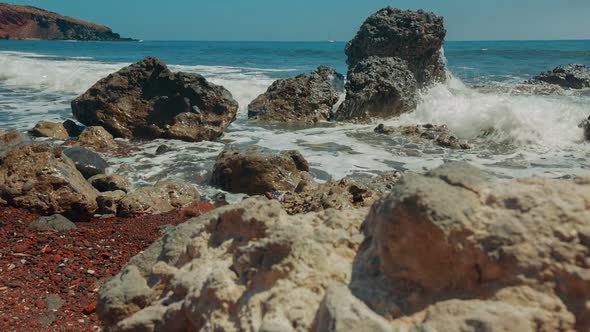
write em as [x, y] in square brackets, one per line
[323, 19]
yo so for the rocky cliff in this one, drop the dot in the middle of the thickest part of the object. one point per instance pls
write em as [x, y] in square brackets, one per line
[24, 22]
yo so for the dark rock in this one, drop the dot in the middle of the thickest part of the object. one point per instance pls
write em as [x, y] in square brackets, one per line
[11, 140]
[40, 177]
[585, 125]
[104, 183]
[414, 36]
[162, 149]
[299, 99]
[56, 222]
[253, 170]
[73, 129]
[378, 87]
[573, 76]
[87, 162]
[147, 100]
[438, 134]
[49, 129]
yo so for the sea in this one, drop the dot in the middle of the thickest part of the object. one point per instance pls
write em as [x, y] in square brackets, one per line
[526, 135]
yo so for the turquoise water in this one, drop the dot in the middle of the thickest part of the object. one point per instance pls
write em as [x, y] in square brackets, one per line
[534, 135]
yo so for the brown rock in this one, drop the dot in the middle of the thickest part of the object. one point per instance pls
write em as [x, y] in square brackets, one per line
[253, 170]
[147, 100]
[40, 177]
[103, 183]
[50, 129]
[108, 202]
[163, 197]
[98, 139]
[11, 140]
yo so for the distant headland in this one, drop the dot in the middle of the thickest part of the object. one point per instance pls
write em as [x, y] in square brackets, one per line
[25, 22]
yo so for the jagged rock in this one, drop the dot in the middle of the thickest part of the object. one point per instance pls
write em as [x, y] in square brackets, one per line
[89, 163]
[414, 36]
[510, 251]
[104, 183]
[585, 125]
[10, 140]
[378, 87]
[108, 202]
[246, 267]
[160, 198]
[49, 129]
[41, 178]
[438, 134]
[72, 128]
[299, 99]
[147, 100]
[253, 170]
[56, 222]
[573, 76]
[98, 139]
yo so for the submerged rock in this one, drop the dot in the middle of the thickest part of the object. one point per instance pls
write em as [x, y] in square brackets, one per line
[378, 87]
[414, 36]
[438, 134]
[49, 129]
[537, 88]
[573, 76]
[160, 198]
[147, 100]
[299, 99]
[253, 170]
[89, 163]
[585, 125]
[98, 139]
[41, 178]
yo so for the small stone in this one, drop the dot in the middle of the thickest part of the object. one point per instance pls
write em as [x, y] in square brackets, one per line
[11, 267]
[56, 222]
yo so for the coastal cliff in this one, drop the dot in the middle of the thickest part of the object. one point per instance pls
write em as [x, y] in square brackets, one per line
[25, 22]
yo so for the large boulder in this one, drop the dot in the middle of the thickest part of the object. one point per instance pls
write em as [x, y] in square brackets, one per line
[573, 76]
[147, 100]
[378, 87]
[89, 163]
[41, 178]
[49, 129]
[299, 99]
[253, 170]
[414, 36]
[162, 197]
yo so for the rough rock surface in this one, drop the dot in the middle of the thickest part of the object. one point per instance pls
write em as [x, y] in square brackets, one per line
[304, 98]
[253, 170]
[41, 178]
[439, 134]
[573, 76]
[585, 125]
[89, 163]
[103, 183]
[414, 36]
[25, 22]
[147, 100]
[56, 222]
[97, 138]
[108, 202]
[160, 198]
[378, 87]
[49, 129]
[10, 140]
[248, 267]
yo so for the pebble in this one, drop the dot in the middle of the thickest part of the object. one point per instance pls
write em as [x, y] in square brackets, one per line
[11, 267]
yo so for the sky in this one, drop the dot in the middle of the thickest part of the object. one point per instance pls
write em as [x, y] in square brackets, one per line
[308, 20]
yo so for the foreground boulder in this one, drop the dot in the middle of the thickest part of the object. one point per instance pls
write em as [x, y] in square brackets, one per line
[256, 171]
[89, 163]
[147, 100]
[378, 87]
[49, 129]
[445, 251]
[574, 76]
[160, 198]
[414, 36]
[39, 177]
[299, 99]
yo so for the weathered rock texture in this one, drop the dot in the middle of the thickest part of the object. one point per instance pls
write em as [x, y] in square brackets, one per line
[50, 129]
[97, 138]
[445, 251]
[414, 36]
[103, 183]
[438, 134]
[147, 100]
[248, 267]
[160, 198]
[304, 98]
[575, 76]
[10, 140]
[56, 222]
[253, 170]
[41, 178]
[378, 87]
[25, 22]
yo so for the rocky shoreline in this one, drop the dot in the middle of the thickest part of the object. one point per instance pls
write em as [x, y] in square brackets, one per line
[445, 250]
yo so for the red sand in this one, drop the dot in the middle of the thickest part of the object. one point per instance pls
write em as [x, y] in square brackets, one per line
[72, 265]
